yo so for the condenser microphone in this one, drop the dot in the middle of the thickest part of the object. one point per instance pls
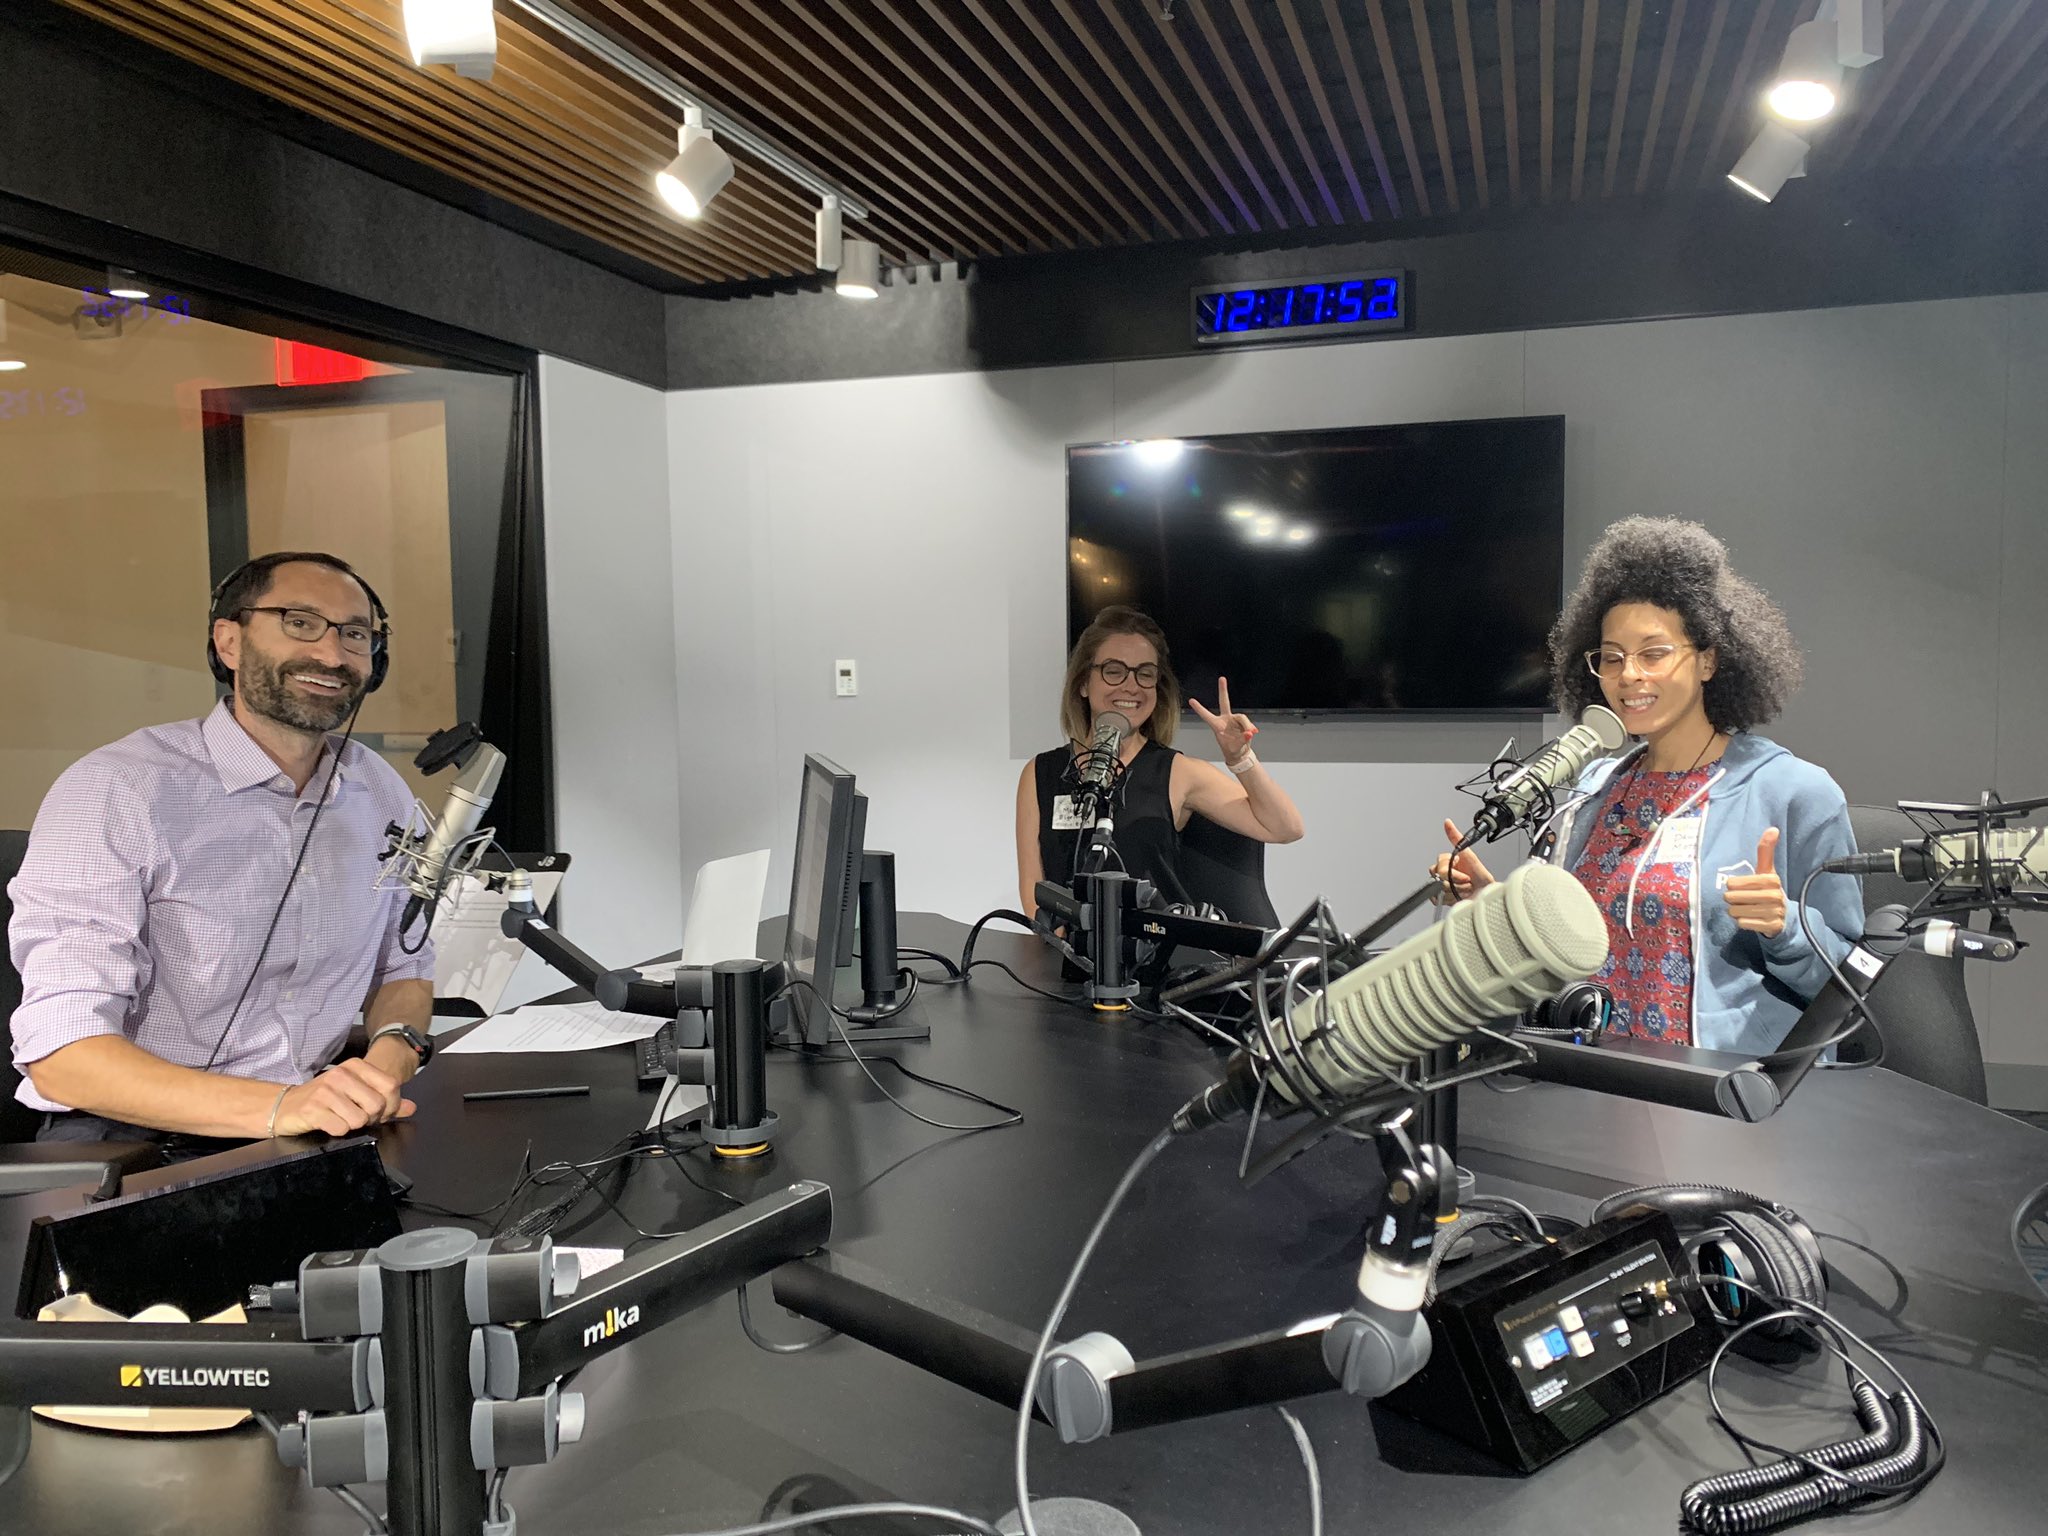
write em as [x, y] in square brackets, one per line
[1510, 800]
[1892, 928]
[2014, 857]
[1520, 940]
[423, 864]
[1098, 768]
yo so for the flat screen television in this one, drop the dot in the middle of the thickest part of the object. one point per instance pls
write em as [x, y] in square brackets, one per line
[1381, 570]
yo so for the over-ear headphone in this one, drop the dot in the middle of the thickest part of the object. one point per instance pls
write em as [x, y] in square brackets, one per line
[1581, 1012]
[1730, 1235]
[380, 648]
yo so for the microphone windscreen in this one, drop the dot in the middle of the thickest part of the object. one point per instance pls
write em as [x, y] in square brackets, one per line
[1606, 725]
[1111, 727]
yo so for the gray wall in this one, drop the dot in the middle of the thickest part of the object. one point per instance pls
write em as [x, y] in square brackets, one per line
[611, 638]
[1881, 469]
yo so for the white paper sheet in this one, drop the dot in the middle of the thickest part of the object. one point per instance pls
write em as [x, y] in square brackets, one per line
[725, 914]
[554, 1027]
[725, 909]
[592, 1261]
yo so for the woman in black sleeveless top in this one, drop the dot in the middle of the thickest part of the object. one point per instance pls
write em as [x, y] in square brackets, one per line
[1120, 663]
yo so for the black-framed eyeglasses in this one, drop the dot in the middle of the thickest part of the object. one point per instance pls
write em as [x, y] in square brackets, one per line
[1114, 672]
[307, 627]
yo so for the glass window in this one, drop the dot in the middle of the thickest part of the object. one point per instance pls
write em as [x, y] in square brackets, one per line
[151, 441]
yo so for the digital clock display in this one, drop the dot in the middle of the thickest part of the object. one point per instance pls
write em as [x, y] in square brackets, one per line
[1342, 305]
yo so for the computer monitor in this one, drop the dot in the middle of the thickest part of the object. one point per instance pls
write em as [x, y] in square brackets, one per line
[820, 890]
[833, 879]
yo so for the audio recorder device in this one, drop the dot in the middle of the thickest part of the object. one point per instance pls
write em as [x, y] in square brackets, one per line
[1539, 1352]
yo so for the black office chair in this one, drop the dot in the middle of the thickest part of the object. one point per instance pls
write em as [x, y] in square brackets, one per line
[1920, 1001]
[24, 1165]
[1226, 870]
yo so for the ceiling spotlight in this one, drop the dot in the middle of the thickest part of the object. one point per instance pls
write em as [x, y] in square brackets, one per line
[1809, 79]
[694, 177]
[11, 365]
[831, 238]
[1159, 452]
[860, 269]
[1300, 534]
[123, 284]
[1774, 157]
[1243, 512]
[459, 33]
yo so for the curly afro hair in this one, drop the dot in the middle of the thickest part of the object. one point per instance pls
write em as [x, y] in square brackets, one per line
[1682, 567]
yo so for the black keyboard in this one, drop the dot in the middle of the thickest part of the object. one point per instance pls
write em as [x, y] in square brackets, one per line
[655, 1057]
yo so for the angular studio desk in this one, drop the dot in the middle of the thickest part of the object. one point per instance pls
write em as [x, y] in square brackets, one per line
[692, 1427]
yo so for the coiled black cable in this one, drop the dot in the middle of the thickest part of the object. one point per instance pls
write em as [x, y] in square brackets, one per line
[1889, 1458]
[1898, 1454]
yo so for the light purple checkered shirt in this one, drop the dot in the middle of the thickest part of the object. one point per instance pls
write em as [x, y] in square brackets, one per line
[152, 871]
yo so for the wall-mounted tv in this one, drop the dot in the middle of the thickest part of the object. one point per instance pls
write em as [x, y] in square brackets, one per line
[1400, 569]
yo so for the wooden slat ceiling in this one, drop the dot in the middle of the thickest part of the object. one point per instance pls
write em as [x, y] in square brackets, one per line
[976, 128]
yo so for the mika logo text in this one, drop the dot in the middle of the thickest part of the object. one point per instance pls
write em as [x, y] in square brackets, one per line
[615, 1321]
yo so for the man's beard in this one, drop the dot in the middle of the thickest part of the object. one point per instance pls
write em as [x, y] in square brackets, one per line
[265, 687]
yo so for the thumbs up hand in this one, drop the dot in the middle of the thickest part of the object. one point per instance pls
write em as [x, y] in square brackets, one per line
[1757, 902]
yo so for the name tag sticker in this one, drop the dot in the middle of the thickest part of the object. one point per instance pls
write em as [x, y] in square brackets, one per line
[1066, 814]
[1679, 843]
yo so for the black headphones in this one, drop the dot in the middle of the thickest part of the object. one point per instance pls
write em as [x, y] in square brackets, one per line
[380, 649]
[1732, 1235]
[1580, 1012]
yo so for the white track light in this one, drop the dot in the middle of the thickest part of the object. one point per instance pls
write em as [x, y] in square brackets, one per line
[830, 235]
[123, 284]
[694, 177]
[860, 269]
[461, 33]
[1774, 157]
[1809, 78]
[1859, 37]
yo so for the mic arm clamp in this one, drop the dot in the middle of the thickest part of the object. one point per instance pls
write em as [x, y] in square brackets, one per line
[1383, 1339]
[424, 1364]
[1091, 1386]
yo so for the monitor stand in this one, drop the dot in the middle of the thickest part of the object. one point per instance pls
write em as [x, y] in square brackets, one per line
[879, 960]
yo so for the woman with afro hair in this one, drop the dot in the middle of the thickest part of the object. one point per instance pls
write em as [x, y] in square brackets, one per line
[1697, 838]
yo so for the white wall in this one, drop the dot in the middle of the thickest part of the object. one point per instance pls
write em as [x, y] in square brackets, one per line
[611, 636]
[1881, 470]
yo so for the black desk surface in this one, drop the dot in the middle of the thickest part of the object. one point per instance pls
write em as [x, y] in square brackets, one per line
[692, 1427]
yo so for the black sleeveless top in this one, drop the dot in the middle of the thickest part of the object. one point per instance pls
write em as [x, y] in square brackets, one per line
[1142, 809]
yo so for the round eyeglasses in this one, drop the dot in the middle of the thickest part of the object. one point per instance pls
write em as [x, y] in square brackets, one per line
[1114, 672]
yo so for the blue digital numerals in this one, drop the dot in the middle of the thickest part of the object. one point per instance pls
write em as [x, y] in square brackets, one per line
[1234, 311]
[1269, 309]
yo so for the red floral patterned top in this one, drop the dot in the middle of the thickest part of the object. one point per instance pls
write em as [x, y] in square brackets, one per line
[1650, 971]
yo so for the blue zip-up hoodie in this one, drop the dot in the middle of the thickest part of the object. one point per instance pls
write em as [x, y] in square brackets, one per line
[1748, 990]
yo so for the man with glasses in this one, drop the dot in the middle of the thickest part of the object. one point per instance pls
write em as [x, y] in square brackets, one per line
[196, 924]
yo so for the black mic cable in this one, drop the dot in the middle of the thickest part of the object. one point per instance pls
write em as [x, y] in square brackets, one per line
[277, 912]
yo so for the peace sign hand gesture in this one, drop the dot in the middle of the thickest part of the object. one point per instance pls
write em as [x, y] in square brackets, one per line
[1234, 732]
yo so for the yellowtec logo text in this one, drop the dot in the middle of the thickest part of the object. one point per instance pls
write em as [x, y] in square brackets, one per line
[214, 1376]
